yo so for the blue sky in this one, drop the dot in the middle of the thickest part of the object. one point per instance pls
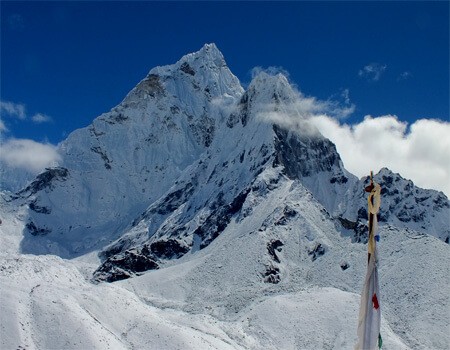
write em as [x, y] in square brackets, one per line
[65, 63]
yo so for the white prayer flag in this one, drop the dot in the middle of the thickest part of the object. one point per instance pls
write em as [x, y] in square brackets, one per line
[369, 337]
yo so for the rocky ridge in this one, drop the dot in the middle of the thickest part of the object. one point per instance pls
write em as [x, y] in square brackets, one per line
[171, 167]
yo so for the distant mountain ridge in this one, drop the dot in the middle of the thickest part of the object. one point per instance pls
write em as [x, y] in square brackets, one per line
[165, 171]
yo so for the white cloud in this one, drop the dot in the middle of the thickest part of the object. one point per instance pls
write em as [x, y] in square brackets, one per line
[295, 113]
[372, 71]
[28, 154]
[345, 94]
[41, 118]
[16, 110]
[420, 151]
[404, 76]
[3, 128]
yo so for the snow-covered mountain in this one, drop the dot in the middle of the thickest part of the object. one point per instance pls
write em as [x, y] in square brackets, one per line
[252, 232]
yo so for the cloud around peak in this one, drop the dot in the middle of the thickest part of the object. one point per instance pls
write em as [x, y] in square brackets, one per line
[419, 151]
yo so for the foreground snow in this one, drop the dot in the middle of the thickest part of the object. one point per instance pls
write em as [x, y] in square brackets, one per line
[216, 298]
[48, 305]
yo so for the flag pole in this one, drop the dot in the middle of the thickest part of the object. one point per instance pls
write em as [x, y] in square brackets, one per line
[369, 337]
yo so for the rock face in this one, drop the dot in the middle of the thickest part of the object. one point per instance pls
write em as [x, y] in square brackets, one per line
[182, 158]
[403, 205]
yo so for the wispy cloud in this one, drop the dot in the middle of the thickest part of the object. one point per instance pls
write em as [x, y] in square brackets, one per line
[11, 109]
[345, 94]
[294, 111]
[3, 128]
[372, 71]
[404, 76]
[18, 111]
[28, 155]
[419, 151]
[41, 118]
[272, 70]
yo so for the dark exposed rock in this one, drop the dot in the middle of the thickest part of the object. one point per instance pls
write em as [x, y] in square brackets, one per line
[361, 230]
[232, 120]
[152, 138]
[112, 275]
[344, 265]
[204, 130]
[218, 202]
[168, 204]
[264, 150]
[362, 213]
[347, 224]
[403, 215]
[218, 220]
[272, 247]
[304, 155]
[272, 275]
[317, 251]
[174, 199]
[170, 249]
[186, 68]
[244, 105]
[339, 179]
[361, 233]
[95, 132]
[37, 231]
[241, 157]
[39, 209]
[106, 160]
[174, 109]
[117, 248]
[124, 265]
[440, 202]
[46, 179]
[119, 118]
[121, 264]
[151, 86]
[288, 213]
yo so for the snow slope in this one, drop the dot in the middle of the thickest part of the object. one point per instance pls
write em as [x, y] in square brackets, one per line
[217, 298]
[237, 232]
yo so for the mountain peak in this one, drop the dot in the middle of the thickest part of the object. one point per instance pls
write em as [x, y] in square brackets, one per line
[210, 50]
[184, 148]
[208, 57]
[201, 73]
